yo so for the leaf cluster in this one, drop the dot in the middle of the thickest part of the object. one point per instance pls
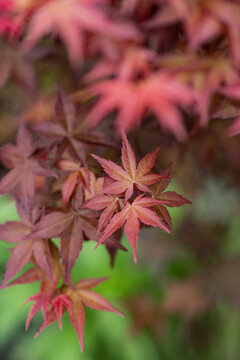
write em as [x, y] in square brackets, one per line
[59, 194]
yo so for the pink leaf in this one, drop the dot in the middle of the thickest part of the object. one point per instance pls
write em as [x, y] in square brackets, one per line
[77, 317]
[71, 245]
[96, 301]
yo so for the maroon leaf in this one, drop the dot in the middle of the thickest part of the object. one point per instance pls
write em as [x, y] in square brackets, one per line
[51, 225]
[71, 244]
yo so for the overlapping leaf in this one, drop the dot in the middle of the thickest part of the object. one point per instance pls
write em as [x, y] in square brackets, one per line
[130, 175]
[23, 165]
[132, 214]
[110, 204]
[71, 20]
[73, 299]
[68, 132]
[160, 92]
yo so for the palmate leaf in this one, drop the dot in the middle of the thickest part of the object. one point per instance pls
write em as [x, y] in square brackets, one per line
[20, 158]
[110, 204]
[160, 92]
[43, 298]
[73, 299]
[72, 20]
[130, 175]
[69, 132]
[132, 214]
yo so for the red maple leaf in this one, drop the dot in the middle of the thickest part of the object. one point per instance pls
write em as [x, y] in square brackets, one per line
[42, 299]
[70, 133]
[110, 204]
[73, 299]
[159, 92]
[132, 214]
[130, 175]
[24, 165]
[71, 20]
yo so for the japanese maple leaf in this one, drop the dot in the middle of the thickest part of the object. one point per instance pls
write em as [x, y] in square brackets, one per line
[16, 232]
[159, 92]
[166, 198]
[23, 165]
[130, 175]
[68, 131]
[110, 204]
[71, 20]
[73, 299]
[132, 214]
[71, 226]
[42, 300]
[47, 288]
